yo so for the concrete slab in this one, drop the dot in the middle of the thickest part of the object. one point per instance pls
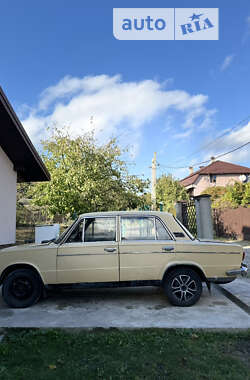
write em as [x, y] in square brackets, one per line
[125, 308]
[240, 288]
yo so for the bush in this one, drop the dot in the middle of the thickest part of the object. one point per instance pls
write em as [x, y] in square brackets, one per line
[231, 196]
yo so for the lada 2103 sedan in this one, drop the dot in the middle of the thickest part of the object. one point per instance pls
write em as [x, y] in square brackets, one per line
[120, 249]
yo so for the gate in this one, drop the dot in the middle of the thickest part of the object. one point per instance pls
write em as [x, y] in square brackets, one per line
[189, 216]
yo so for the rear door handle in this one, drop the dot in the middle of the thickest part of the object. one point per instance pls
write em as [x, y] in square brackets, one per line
[110, 249]
[167, 249]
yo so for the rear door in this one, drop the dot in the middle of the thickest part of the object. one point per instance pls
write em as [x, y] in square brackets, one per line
[146, 247]
[90, 253]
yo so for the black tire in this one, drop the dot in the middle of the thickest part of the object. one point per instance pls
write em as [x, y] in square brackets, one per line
[183, 287]
[22, 288]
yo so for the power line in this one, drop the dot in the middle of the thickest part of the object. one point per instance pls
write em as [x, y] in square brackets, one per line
[206, 161]
[233, 150]
[235, 126]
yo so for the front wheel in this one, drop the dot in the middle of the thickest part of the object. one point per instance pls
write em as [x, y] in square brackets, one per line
[21, 288]
[183, 287]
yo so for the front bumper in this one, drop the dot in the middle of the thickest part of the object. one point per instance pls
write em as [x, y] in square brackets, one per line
[242, 271]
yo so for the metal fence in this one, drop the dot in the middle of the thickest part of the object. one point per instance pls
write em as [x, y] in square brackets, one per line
[189, 216]
[232, 223]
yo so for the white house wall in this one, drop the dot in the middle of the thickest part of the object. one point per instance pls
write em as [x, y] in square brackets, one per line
[203, 182]
[8, 180]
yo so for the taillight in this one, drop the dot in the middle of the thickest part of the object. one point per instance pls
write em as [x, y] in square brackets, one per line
[243, 256]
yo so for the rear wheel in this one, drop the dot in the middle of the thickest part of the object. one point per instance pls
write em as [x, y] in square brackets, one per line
[183, 287]
[22, 288]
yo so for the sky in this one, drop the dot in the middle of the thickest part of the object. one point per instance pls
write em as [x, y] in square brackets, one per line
[61, 65]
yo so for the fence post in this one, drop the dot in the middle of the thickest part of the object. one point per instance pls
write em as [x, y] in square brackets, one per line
[204, 217]
[178, 208]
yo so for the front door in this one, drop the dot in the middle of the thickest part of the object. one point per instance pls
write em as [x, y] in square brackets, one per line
[90, 253]
[145, 248]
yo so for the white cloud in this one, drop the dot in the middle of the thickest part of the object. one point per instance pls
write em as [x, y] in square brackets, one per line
[247, 31]
[227, 62]
[69, 86]
[114, 105]
[182, 135]
[233, 140]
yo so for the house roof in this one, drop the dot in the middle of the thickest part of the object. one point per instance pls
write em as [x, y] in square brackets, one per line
[216, 167]
[18, 147]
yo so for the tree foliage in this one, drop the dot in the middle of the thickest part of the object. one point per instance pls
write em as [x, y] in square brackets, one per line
[231, 196]
[169, 191]
[85, 177]
[217, 193]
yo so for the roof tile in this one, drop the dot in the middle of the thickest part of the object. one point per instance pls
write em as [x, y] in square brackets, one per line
[216, 167]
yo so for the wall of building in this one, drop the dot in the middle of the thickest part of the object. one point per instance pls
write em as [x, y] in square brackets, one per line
[8, 179]
[203, 182]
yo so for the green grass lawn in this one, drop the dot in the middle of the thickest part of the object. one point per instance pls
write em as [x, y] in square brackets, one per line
[124, 354]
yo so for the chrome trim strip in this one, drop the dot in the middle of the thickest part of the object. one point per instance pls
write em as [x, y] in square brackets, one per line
[233, 272]
[134, 253]
[213, 253]
[163, 252]
[146, 253]
[87, 254]
[243, 271]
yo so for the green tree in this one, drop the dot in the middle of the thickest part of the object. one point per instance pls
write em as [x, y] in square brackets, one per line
[234, 195]
[169, 191]
[85, 177]
[217, 193]
[231, 196]
[246, 196]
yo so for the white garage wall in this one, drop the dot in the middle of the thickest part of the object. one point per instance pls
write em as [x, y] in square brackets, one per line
[8, 178]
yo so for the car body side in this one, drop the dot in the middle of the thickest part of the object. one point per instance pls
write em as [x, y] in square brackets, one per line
[131, 261]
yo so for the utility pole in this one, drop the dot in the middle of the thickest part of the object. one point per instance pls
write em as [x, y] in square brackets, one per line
[153, 194]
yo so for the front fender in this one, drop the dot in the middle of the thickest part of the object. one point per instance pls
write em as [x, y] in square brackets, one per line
[18, 265]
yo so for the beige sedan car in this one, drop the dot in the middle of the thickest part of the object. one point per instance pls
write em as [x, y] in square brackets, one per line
[120, 249]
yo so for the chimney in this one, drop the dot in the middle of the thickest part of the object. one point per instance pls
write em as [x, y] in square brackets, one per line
[212, 159]
[191, 169]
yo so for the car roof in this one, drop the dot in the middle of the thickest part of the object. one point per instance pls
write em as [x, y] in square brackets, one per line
[126, 213]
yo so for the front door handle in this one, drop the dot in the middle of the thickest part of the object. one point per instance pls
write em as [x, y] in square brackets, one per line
[167, 249]
[110, 249]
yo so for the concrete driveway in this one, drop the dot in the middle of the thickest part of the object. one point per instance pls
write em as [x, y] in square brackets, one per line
[131, 308]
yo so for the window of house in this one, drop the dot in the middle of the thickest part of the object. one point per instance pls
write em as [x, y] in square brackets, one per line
[212, 178]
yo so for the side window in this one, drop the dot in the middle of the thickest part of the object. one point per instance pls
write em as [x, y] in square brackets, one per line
[100, 229]
[76, 235]
[161, 232]
[141, 228]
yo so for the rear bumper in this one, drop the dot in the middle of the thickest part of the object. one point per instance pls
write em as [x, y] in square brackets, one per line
[242, 271]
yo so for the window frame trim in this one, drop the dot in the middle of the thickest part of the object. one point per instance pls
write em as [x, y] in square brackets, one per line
[165, 227]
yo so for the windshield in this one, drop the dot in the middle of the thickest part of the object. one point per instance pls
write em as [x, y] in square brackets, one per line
[61, 237]
[185, 229]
